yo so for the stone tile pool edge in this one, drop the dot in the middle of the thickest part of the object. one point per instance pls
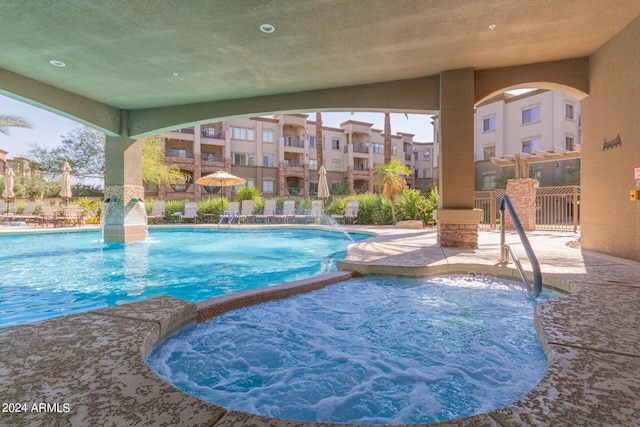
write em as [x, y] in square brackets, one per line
[94, 361]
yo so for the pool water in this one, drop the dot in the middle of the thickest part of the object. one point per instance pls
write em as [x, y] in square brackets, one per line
[50, 275]
[373, 351]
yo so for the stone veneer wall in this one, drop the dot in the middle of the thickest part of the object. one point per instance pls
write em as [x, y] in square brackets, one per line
[124, 221]
[463, 236]
[522, 193]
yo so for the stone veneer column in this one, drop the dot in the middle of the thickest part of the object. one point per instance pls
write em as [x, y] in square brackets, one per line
[282, 188]
[350, 177]
[305, 184]
[457, 220]
[522, 193]
[197, 173]
[124, 217]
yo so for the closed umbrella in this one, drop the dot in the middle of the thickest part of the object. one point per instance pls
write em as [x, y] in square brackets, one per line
[8, 184]
[220, 179]
[65, 191]
[323, 187]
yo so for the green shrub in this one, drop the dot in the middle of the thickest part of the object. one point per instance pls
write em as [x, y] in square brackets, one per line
[411, 204]
[173, 206]
[214, 206]
[248, 193]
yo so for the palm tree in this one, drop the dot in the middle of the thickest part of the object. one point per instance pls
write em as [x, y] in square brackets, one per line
[319, 153]
[390, 178]
[9, 120]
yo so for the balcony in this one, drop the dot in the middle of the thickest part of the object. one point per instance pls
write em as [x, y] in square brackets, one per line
[293, 141]
[293, 163]
[360, 149]
[214, 133]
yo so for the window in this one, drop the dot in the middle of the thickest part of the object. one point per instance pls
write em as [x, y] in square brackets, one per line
[243, 133]
[250, 183]
[489, 124]
[535, 173]
[335, 165]
[313, 164]
[335, 144]
[427, 173]
[378, 148]
[489, 152]
[531, 115]
[426, 155]
[530, 146]
[312, 141]
[394, 150]
[568, 111]
[267, 161]
[489, 181]
[179, 152]
[244, 159]
[415, 156]
[313, 188]
[267, 135]
[335, 185]
[267, 186]
[569, 143]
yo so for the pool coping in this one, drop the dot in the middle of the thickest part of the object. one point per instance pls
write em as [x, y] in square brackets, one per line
[94, 361]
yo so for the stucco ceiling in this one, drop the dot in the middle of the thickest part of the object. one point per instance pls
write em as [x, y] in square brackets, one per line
[148, 53]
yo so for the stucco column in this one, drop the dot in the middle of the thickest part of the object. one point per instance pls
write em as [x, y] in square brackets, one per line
[457, 220]
[123, 215]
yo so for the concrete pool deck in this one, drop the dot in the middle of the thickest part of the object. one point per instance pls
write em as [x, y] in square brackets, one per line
[88, 369]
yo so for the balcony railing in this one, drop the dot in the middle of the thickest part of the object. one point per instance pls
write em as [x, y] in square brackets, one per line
[293, 164]
[360, 149]
[185, 130]
[294, 191]
[357, 168]
[290, 141]
[408, 157]
[212, 133]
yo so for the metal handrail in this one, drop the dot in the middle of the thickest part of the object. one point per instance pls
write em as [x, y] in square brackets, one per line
[506, 249]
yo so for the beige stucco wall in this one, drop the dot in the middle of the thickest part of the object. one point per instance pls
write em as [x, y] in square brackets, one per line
[610, 222]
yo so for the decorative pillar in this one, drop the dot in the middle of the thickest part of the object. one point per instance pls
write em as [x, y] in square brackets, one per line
[457, 220]
[522, 193]
[123, 216]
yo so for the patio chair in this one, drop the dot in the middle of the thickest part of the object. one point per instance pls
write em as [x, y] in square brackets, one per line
[190, 212]
[157, 211]
[48, 215]
[72, 215]
[233, 211]
[247, 210]
[350, 212]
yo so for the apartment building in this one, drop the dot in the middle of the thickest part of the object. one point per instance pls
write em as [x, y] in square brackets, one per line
[21, 166]
[278, 155]
[508, 125]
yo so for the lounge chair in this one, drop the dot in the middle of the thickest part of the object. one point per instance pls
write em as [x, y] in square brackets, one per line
[269, 212]
[26, 214]
[190, 212]
[157, 211]
[288, 210]
[247, 210]
[350, 212]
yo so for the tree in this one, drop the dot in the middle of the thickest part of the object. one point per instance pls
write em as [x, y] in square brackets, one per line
[390, 178]
[319, 153]
[82, 147]
[9, 120]
[154, 168]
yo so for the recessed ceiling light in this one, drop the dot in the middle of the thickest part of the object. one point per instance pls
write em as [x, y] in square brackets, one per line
[492, 26]
[267, 28]
[175, 74]
[56, 63]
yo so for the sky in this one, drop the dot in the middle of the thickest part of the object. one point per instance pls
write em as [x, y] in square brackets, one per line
[48, 128]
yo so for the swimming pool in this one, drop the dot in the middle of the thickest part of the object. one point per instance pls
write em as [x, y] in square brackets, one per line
[49, 275]
[373, 351]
